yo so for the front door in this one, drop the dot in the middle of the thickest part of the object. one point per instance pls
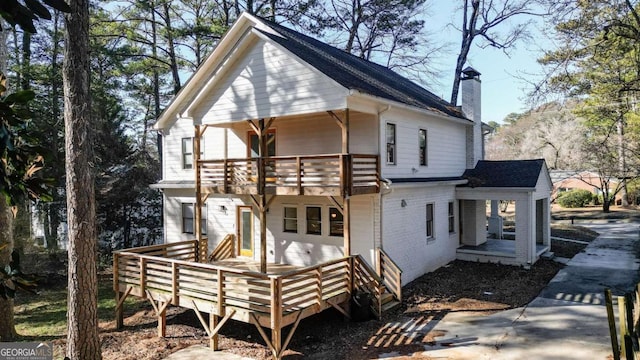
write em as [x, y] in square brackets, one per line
[245, 231]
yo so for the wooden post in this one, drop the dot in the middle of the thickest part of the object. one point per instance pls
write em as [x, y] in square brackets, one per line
[622, 311]
[162, 321]
[262, 152]
[276, 316]
[116, 290]
[198, 204]
[379, 262]
[345, 132]
[174, 283]
[143, 276]
[346, 173]
[612, 324]
[347, 225]
[213, 324]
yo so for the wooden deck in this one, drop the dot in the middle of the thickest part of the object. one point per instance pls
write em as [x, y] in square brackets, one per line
[231, 288]
[330, 175]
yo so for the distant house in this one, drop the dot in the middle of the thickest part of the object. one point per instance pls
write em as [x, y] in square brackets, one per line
[564, 180]
[283, 151]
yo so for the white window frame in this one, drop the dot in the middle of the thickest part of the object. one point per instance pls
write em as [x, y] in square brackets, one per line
[451, 215]
[422, 151]
[341, 221]
[189, 155]
[391, 147]
[430, 222]
[285, 218]
[306, 218]
[203, 220]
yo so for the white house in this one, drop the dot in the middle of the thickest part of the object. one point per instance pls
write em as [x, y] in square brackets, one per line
[306, 154]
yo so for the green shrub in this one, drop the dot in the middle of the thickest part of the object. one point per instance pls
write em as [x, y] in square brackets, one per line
[575, 198]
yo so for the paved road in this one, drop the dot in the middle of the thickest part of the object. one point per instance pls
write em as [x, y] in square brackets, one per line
[567, 320]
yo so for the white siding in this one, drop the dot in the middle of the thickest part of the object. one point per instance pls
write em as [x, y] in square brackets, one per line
[219, 222]
[404, 229]
[172, 151]
[445, 146]
[300, 248]
[292, 138]
[266, 81]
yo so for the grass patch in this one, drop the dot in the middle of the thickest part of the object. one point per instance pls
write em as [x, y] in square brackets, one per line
[44, 316]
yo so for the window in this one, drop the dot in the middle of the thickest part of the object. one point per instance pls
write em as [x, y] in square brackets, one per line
[314, 220]
[290, 219]
[452, 218]
[336, 222]
[423, 146]
[253, 143]
[429, 221]
[187, 152]
[188, 217]
[391, 143]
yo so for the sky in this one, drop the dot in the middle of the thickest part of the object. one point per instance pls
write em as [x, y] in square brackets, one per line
[503, 88]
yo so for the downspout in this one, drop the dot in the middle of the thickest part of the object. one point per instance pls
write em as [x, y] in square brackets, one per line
[386, 189]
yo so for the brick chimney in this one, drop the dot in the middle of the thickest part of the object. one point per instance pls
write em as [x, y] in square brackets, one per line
[471, 107]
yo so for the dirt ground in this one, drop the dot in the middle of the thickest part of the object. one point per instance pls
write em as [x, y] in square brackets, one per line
[460, 286]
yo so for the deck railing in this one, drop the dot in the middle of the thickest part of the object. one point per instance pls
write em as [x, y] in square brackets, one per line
[390, 273]
[344, 173]
[141, 272]
[226, 249]
[170, 274]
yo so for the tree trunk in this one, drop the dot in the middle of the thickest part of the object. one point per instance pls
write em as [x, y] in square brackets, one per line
[7, 327]
[622, 161]
[83, 342]
[468, 34]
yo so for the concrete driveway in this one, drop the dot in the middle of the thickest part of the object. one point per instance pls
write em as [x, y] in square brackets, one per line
[567, 320]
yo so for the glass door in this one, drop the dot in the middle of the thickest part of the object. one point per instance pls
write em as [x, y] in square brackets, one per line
[245, 230]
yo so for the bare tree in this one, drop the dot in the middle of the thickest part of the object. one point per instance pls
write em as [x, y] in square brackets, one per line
[82, 314]
[481, 18]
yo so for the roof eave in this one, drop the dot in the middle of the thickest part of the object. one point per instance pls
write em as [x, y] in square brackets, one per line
[497, 188]
[392, 103]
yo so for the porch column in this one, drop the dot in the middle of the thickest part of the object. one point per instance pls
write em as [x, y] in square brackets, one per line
[525, 230]
[262, 147]
[346, 200]
[495, 220]
[261, 130]
[197, 228]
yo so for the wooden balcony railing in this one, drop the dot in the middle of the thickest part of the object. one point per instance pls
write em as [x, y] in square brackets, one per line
[333, 174]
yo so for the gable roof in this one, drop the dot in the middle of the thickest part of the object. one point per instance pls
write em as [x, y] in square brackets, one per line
[350, 71]
[505, 173]
[358, 74]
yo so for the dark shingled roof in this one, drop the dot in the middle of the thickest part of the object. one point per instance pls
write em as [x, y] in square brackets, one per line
[355, 73]
[506, 173]
[425, 180]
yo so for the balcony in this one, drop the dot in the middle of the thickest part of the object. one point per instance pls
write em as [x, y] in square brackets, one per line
[326, 175]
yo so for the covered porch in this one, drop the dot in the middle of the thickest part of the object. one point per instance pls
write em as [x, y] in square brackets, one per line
[524, 183]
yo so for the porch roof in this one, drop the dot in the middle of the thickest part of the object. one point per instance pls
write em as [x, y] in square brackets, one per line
[505, 174]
